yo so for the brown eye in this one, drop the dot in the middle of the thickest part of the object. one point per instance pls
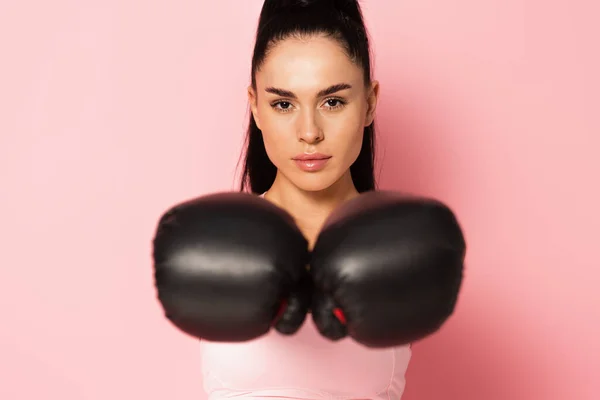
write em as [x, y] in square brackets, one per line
[282, 106]
[334, 104]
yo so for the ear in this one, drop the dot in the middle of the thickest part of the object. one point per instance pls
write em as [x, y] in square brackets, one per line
[372, 99]
[252, 99]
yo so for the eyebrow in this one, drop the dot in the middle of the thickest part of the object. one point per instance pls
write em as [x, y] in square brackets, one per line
[325, 92]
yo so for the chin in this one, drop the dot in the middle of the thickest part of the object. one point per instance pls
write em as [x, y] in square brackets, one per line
[313, 187]
[314, 182]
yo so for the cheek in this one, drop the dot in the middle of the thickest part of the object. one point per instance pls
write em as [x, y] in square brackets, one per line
[348, 140]
[275, 137]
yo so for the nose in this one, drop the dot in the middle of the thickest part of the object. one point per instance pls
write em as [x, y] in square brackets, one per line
[309, 128]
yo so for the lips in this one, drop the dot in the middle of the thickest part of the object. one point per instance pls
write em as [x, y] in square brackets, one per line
[311, 162]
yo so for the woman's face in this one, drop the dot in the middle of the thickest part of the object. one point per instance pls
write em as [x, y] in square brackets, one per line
[312, 105]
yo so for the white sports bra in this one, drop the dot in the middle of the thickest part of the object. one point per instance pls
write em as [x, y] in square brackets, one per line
[302, 366]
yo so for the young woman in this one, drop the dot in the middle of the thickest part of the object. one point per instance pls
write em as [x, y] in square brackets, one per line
[310, 147]
[383, 270]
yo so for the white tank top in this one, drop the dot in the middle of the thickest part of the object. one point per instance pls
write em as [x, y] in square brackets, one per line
[302, 366]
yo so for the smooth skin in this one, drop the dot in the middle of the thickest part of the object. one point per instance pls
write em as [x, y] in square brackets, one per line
[311, 98]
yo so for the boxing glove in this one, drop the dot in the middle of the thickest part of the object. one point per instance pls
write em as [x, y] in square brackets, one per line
[230, 266]
[387, 269]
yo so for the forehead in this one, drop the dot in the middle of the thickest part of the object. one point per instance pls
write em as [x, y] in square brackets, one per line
[307, 64]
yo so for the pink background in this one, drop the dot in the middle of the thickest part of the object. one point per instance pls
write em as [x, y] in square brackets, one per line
[111, 111]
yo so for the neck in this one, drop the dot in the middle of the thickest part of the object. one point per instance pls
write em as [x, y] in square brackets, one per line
[310, 209]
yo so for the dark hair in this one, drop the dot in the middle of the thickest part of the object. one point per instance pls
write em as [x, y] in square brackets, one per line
[281, 19]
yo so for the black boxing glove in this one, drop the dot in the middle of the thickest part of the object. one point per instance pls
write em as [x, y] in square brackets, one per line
[387, 269]
[230, 266]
